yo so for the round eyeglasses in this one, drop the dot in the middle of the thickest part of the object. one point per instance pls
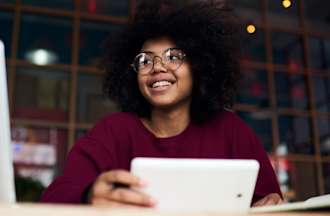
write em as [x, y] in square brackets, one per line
[171, 59]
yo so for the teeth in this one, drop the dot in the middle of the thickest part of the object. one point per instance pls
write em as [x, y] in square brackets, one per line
[161, 83]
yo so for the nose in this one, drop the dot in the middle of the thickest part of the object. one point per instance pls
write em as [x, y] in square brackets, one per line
[158, 65]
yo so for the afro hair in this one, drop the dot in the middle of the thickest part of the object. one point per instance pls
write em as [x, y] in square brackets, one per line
[206, 31]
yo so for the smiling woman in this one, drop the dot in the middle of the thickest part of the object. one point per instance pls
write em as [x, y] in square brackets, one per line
[205, 32]
[173, 72]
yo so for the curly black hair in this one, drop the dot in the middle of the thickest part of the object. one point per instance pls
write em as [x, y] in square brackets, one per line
[207, 32]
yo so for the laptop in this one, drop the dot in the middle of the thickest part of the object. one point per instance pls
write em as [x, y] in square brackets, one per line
[198, 185]
[7, 186]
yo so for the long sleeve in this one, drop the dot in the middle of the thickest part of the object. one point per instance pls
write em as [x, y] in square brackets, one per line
[88, 158]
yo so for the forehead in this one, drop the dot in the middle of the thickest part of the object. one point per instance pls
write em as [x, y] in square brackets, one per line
[158, 45]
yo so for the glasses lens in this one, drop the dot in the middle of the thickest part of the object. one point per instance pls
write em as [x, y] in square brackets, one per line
[173, 58]
[143, 62]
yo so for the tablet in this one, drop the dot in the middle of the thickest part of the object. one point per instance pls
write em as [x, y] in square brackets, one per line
[192, 185]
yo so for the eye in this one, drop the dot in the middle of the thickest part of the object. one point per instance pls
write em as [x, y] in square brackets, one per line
[144, 60]
[174, 57]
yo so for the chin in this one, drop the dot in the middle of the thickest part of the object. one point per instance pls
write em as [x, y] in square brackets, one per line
[161, 104]
[169, 103]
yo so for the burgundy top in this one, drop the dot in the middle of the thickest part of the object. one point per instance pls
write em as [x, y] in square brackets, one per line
[118, 138]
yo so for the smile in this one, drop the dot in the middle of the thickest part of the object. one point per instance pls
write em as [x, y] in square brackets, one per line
[161, 83]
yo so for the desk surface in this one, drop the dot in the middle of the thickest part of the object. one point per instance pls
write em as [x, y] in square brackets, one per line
[70, 210]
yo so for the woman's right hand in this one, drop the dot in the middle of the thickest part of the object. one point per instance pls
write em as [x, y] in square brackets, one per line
[105, 192]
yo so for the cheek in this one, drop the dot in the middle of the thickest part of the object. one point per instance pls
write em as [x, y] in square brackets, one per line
[190, 80]
[141, 84]
[186, 75]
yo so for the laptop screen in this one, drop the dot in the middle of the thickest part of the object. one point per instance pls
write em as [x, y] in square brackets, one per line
[7, 188]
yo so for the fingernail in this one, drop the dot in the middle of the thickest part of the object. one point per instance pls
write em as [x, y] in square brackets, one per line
[142, 183]
[152, 201]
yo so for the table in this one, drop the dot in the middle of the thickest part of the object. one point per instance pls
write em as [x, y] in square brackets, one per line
[83, 210]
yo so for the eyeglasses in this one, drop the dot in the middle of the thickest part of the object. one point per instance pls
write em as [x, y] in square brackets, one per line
[171, 59]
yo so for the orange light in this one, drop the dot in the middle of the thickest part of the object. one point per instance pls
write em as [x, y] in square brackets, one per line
[250, 29]
[286, 3]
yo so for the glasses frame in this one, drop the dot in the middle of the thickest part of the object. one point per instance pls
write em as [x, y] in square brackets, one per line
[160, 57]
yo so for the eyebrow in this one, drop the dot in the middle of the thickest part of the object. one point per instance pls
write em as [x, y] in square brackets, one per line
[146, 51]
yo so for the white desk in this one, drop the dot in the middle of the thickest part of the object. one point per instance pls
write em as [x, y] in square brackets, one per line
[77, 210]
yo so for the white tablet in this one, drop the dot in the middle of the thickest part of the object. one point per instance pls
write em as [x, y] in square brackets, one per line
[208, 185]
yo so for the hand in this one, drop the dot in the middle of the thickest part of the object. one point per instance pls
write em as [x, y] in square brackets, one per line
[270, 199]
[104, 191]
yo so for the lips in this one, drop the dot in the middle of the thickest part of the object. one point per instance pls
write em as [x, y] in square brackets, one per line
[160, 82]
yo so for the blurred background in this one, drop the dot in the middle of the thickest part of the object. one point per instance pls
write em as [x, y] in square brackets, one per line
[55, 87]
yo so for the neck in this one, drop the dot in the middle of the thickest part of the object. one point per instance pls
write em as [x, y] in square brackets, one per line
[167, 123]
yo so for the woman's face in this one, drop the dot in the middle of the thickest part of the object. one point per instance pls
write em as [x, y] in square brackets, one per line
[162, 86]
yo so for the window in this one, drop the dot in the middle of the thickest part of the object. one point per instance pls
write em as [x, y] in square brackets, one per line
[57, 86]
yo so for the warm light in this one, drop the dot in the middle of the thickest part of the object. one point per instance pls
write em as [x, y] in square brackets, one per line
[286, 3]
[250, 29]
[41, 56]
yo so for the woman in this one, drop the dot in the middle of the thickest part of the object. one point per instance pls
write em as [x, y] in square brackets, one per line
[173, 72]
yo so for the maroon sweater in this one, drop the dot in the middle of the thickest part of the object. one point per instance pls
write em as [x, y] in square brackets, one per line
[120, 137]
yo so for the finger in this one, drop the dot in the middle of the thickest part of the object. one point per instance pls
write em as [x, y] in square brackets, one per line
[270, 201]
[274, 199]
[102, 202]
[123, 177]
[131, 197]
[261, 202]
[280, 201]
[101, 187]
[106, 203]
